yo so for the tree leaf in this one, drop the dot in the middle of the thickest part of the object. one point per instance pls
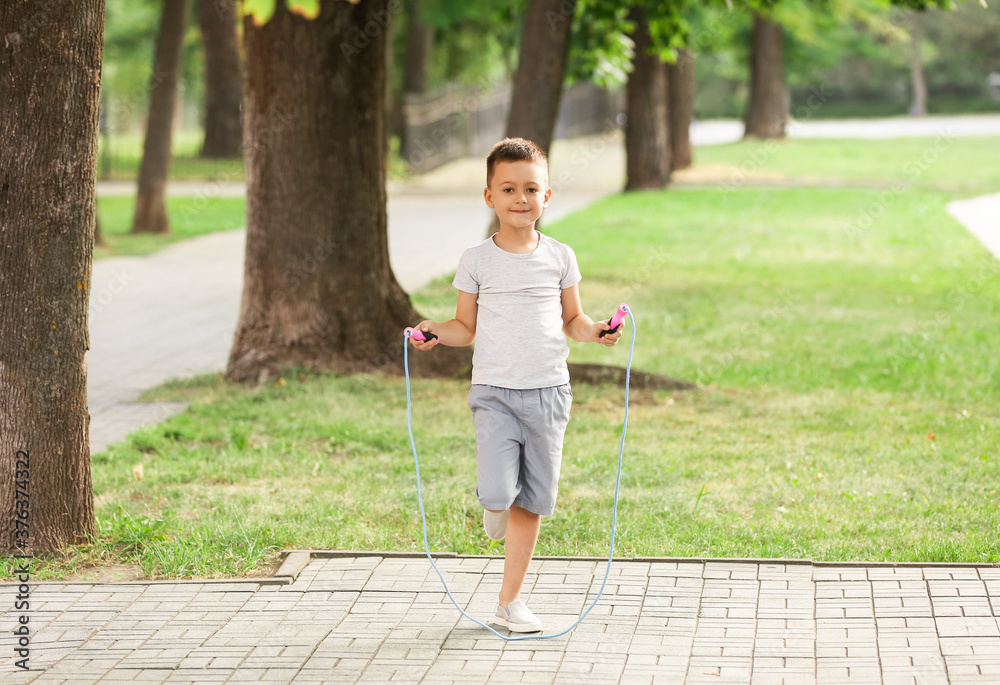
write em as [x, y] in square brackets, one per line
[260, 10]
[308, 9]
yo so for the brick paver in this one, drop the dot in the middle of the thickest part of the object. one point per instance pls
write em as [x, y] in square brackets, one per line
[381, 619]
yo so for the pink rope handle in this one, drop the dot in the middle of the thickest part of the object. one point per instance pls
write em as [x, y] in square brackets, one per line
[615, 321]
[418, 334]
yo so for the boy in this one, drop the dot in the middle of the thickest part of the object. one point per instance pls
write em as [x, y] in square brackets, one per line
[517, 298]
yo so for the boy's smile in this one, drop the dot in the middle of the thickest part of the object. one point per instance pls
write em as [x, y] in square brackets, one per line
[518, 191]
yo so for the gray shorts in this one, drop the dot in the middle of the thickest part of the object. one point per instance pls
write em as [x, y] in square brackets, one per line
[519, 440]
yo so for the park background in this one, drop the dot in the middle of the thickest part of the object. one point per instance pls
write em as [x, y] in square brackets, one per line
[836, 319]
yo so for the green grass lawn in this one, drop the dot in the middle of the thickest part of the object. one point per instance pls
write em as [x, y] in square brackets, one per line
[944, 162]
[848, 411]
[120, 156]
[189, 218]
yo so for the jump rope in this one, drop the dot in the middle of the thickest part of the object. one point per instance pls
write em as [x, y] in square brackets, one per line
[417, 334]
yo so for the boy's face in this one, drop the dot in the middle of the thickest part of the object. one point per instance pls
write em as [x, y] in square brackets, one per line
[518, 192]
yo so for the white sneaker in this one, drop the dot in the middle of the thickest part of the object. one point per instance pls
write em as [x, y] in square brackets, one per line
[496, 524]
[517, 618]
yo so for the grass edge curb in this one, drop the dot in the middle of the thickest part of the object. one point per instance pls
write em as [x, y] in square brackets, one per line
[297, 559]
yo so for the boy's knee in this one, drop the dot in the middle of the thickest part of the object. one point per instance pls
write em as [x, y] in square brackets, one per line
[521, 511]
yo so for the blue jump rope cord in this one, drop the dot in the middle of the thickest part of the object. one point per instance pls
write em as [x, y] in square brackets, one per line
[614, 516]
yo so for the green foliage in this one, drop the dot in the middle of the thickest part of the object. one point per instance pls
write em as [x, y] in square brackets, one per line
[130, 32]
[668, 27]
[600, 49]
[858, 51]
[262, 10]
[129, 38]
[475, 43]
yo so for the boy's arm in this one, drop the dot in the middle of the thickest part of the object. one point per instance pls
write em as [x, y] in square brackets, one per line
[456, 332]
[581, 327]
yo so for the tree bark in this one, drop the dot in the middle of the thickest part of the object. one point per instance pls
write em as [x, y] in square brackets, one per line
[223, 79]
[767, 110]
[318, 291]
[680, 109]
[419, 47]
[150, 206]
[647, 147]
[393, 91]
[541, 69]
[50, 71]
[416, 73]
[918, 107]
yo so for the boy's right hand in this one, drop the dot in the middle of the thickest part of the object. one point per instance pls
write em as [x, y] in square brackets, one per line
[427, 326]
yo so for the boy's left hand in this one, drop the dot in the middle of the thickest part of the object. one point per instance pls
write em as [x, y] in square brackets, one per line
[611, 339]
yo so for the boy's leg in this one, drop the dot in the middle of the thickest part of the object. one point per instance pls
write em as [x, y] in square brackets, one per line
[522, 534]
[546, 415]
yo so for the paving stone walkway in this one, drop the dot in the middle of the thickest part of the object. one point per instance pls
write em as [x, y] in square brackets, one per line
[381, 619]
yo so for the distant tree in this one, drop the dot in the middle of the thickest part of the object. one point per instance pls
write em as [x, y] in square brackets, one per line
[647, 151]
[541, 69]
[223, 79]
[150, 206]
[419, 48]
[416, 70]
[654, 33]
[768, 105]
[918, 102]
[680, 109]
[50, 68]
[767, 108]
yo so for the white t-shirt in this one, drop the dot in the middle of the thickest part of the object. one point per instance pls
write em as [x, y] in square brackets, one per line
[519, 339]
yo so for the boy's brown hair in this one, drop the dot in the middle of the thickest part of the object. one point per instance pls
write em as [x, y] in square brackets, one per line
[514, 150]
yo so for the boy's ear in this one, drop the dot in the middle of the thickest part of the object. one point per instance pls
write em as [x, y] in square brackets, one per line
[488, 196]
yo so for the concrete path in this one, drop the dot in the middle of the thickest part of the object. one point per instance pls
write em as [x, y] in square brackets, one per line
[380, 619]
[981, 215]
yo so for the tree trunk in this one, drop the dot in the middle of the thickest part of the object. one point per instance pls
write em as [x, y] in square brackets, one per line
[767, 110]
[150, 207]
[419, 47]
[393, 91]
[538, 80]
[680, 109]
[541, 69]
[416, 74]
[647, 148]
[50, 68]
[918, 107]
[223, 79]
[318, 290]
